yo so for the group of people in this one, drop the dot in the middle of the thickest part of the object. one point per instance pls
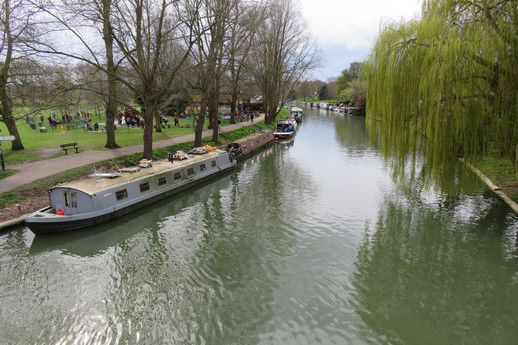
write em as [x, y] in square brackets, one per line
[248, 117]
[55, 120]
[65, 119]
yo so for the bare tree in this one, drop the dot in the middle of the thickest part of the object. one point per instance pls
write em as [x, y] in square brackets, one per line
[212, 28]
[84, 25]
[104, 7]
[244, 20]
[145, 31]
[139, 35]
[284, 54]
[16, 25]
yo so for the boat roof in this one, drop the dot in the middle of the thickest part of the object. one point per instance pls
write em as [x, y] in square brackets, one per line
[251, 137]
[286, 122]
[92, 185]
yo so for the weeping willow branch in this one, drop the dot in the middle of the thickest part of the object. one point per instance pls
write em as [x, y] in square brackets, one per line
[446, 85]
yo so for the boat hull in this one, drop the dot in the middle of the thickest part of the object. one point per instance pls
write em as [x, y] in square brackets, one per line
[283, 135]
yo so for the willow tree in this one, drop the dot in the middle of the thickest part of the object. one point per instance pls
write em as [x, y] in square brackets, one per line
[447, 84]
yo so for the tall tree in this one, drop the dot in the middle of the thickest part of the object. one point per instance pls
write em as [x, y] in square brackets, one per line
[145, 32]
[17, 24]
[283, 54]
[212, 29]
[323, 92]
[244, 20]
[83, 23]
[104, 8]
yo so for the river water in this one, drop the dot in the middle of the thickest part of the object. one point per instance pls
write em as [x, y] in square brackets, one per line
[309, 242]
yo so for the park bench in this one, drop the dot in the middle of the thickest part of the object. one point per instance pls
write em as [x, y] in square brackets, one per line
[70, 146]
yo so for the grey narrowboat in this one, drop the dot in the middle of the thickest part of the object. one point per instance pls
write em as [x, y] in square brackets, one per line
[92, 201]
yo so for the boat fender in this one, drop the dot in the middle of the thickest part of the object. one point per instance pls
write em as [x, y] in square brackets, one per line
[60, 212]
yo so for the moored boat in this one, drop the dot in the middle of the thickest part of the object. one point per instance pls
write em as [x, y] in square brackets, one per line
[285, 129]
[92, 201]
[296, 113]
[243, 147]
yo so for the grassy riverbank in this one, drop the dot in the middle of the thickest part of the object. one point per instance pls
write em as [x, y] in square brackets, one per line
[502, 173]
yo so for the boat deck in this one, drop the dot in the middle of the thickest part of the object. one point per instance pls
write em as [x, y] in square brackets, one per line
[93, 185]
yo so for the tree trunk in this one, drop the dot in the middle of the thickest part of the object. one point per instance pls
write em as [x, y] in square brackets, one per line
[111, 108]
[110, 126]
[148, 127]
[9, 120]
[158, 123]
[233, 107]
[199, 124]
[10, 123]
[213, 113]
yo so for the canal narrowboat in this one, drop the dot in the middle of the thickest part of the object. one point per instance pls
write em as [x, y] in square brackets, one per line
[285, 129]
[243, 147]
[92, 201]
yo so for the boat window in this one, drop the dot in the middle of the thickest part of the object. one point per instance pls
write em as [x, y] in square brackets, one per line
[203, 167]
[161, 181]
[144, 187]
[190, 171]
[213, 163]
[73, 200]
[177, 176]
[121, 194]
[252, 143]
[67, 202]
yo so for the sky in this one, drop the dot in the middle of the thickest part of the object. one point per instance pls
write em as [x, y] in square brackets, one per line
[346, 30]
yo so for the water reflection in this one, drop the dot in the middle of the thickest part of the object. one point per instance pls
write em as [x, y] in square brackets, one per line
[351, 132]
[438, 271]
[308, 242]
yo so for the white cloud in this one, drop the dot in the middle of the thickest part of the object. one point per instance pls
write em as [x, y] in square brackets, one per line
[354, 23]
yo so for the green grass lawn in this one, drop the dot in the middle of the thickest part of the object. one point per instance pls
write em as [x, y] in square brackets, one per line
[36, 142]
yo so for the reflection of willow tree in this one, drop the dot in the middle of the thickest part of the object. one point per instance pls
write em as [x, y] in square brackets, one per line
[432, 273]
[447, 84]
[351, 131]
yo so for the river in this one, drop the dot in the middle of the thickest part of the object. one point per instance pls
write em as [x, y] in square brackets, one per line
[309, 242]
